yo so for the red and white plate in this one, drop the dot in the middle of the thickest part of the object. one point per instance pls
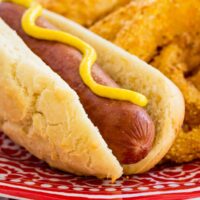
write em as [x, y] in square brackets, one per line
[24, 176]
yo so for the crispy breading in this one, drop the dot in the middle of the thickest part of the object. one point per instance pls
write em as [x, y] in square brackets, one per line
[172, 62]
[186, 147]
[165, 33]
[85, 12]
[113, 23]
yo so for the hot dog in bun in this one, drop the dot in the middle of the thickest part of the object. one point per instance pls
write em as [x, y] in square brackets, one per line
[103, 118]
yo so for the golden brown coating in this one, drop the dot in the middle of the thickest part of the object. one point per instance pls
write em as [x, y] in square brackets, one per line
[85, 12]
[186, 147]
[112, 24]
[165, 33]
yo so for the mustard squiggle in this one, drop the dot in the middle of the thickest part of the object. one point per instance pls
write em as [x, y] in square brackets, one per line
[89, 55]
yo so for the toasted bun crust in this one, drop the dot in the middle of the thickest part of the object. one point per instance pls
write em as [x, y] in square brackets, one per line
[40, 112]
[166, 103]
[33, 96]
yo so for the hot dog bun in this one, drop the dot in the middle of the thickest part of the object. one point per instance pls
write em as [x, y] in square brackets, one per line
[166, 107]
[40, 112]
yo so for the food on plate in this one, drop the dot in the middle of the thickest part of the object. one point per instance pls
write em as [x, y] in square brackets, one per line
[165, 34]
[58, 103]
[85, 12]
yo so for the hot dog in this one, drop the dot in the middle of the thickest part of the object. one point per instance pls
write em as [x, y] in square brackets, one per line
[127, 129]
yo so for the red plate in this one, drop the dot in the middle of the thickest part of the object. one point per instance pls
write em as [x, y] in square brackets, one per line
[24, 176]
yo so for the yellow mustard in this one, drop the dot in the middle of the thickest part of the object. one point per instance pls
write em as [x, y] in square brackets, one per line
[89, 54]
